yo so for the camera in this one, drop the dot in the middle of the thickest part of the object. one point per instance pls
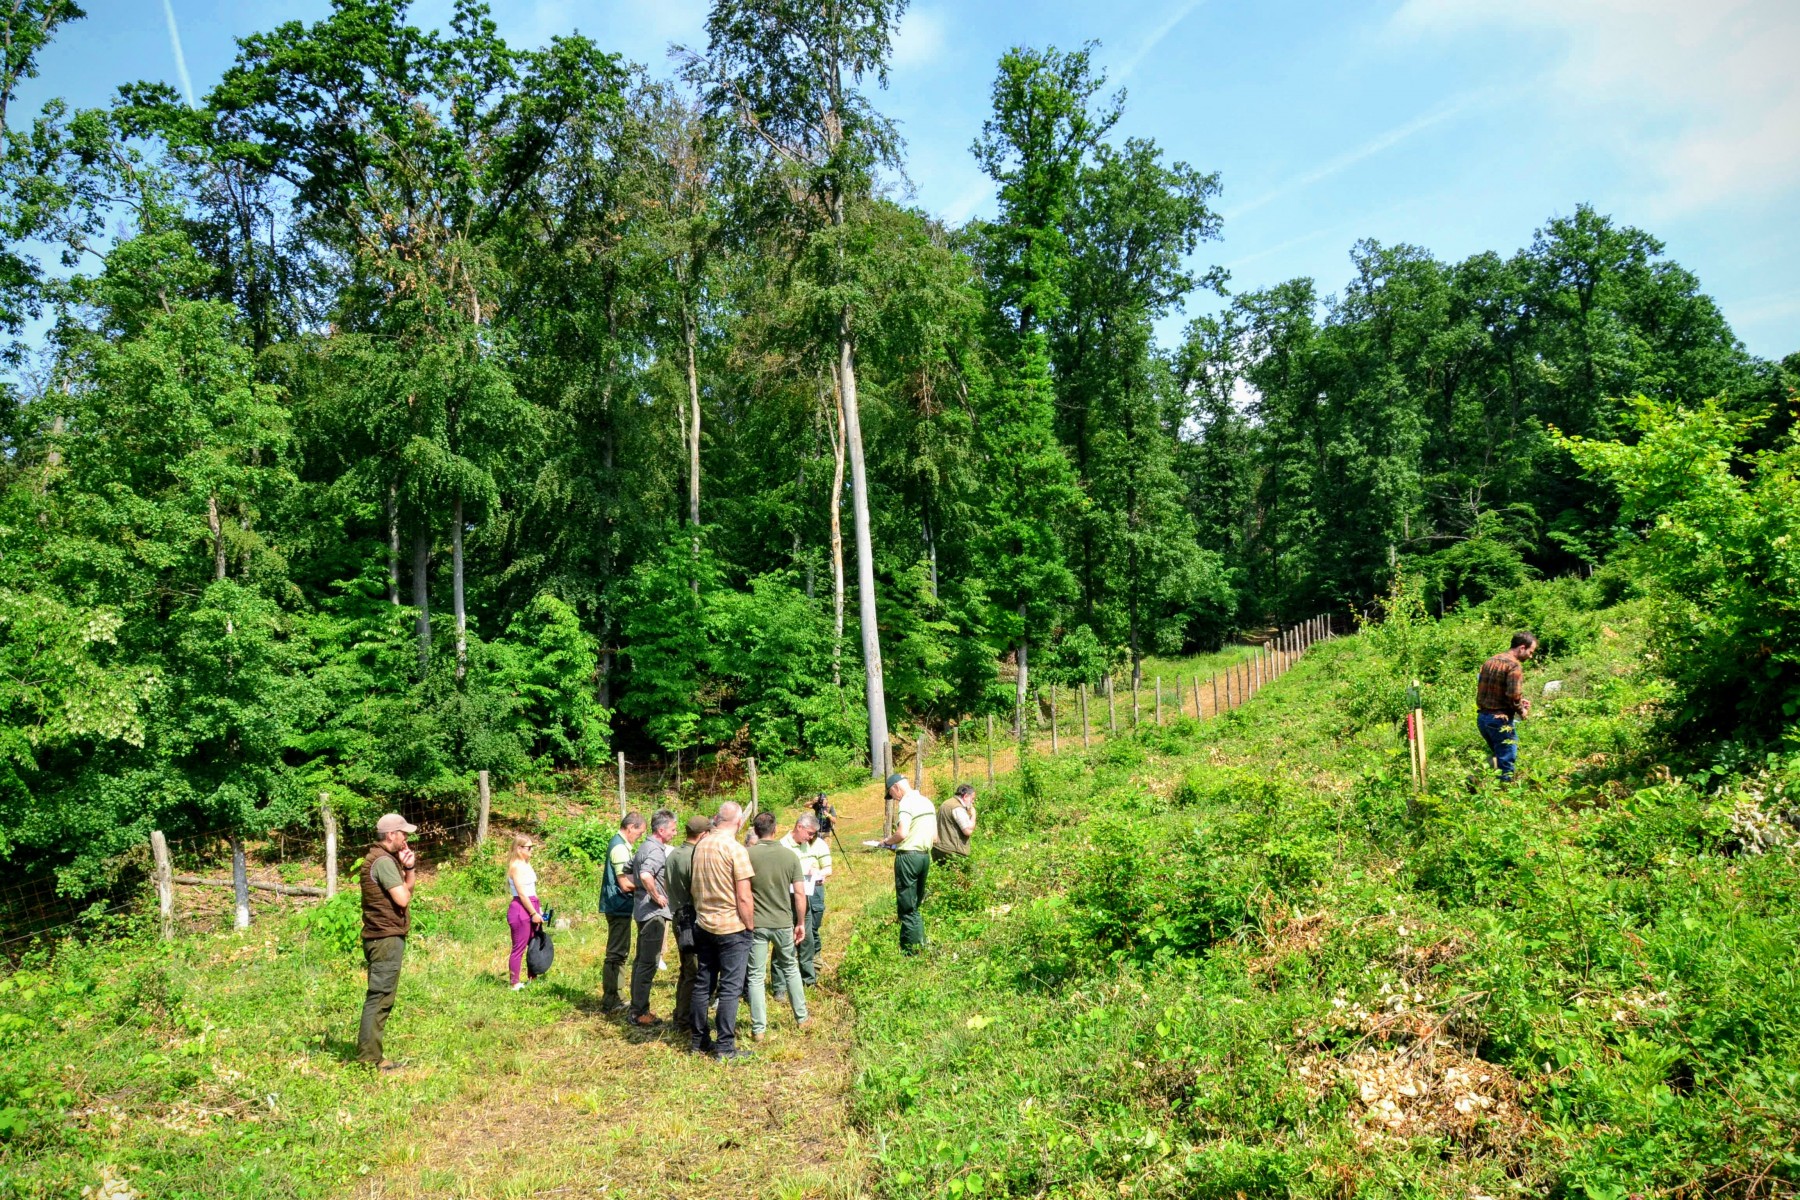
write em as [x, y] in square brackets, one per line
[824, 812]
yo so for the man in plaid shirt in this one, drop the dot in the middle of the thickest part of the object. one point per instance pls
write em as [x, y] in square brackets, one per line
[1500, 701]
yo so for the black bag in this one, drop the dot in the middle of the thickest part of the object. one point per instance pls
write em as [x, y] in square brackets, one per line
[540, 952]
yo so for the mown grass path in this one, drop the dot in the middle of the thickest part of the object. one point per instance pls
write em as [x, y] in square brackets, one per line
[590, 1107]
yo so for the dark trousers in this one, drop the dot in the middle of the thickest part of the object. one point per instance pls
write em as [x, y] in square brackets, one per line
[910, 870]
[809, 947]
[618, 950]
[383, 956]
[684, 981]
[722, 966]
[650, 936]
[1502, 740]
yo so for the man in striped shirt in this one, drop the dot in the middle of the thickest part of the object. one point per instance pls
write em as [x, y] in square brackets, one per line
[805, 840]
[1500, 702]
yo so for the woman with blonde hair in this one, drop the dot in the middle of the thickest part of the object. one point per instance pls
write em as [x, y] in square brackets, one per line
[524, 913]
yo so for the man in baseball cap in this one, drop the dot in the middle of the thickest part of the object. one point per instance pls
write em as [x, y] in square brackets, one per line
[388, 872]
[915, 827]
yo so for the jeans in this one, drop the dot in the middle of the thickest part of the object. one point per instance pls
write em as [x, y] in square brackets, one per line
[618, 949]
[910, 870]
[774, 947]
[1502, 739]
[518, 919]
[650, 936]
[724, 959]
[808, 949]
[384, 956]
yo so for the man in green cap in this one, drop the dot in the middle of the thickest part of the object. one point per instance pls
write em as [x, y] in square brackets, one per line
[915, 828]
[389, 873]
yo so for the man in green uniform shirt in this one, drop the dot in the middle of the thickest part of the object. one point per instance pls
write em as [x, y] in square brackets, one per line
[915, 828]
[779, 892]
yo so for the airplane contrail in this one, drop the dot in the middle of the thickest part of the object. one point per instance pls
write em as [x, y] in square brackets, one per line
[1176, 16]
[187, 85]
[1368, 149]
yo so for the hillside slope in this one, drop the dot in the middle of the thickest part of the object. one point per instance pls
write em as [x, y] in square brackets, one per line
[1231, 959]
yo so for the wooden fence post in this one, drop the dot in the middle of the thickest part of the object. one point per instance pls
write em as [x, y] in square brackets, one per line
[1084, 718]
[1112, 711]
[1053, 744]
[956, 753]
[1134, 701]
[1159, 700]
[486, 797]
[165, 882]
[887, 799]
[919, 762]
[329, 819]
[621, 785]
[240, 882]
[755, 792]
[990, 748]
[1215, 692]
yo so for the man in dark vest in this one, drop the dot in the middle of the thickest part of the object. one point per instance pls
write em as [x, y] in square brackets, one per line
[618, 888]
[387, 891]
[955, 826]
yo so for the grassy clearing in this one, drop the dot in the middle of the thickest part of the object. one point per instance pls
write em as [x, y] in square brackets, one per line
[218, 1065]
[1231, 959]
[1218, 958]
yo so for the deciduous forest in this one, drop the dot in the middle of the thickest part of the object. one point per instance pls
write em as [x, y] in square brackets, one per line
[413, 408]
[417, 404]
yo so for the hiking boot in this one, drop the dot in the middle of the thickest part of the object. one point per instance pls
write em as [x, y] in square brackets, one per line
[646, 1021]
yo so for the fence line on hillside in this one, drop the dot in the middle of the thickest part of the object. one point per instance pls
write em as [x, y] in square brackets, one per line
[36, 909]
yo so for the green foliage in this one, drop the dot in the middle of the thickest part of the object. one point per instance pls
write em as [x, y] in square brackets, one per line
[1225, 952]
[1717, 557]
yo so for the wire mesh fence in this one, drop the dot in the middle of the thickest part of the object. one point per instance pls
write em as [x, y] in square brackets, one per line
[287, 865]
[284, 866]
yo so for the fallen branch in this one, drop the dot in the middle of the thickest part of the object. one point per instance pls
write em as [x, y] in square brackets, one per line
[283, 889]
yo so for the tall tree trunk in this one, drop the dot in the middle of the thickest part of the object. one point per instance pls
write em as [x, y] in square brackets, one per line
[837, 533]
[240, 883]
[393, 540]
[930, 551]
[456, 589]
[689, 338]
[421, 592]
[1024, 677]
[865, 553]
[218, 535]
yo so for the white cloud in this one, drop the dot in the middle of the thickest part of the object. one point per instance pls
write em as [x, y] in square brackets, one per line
[1698, 96]
[920, 40]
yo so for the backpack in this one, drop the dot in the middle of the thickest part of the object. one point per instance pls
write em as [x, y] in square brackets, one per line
[540, 952]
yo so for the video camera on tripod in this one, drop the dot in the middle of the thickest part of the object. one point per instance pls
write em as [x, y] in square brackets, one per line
[823, 810]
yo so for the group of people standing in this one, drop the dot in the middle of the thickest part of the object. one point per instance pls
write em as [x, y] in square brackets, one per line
[745, 914]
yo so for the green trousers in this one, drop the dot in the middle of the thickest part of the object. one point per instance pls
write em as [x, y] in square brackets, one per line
[910, 869]
[384, 956]
[618, 951]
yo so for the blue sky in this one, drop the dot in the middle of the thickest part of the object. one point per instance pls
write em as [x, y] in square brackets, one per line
[1457, 125]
